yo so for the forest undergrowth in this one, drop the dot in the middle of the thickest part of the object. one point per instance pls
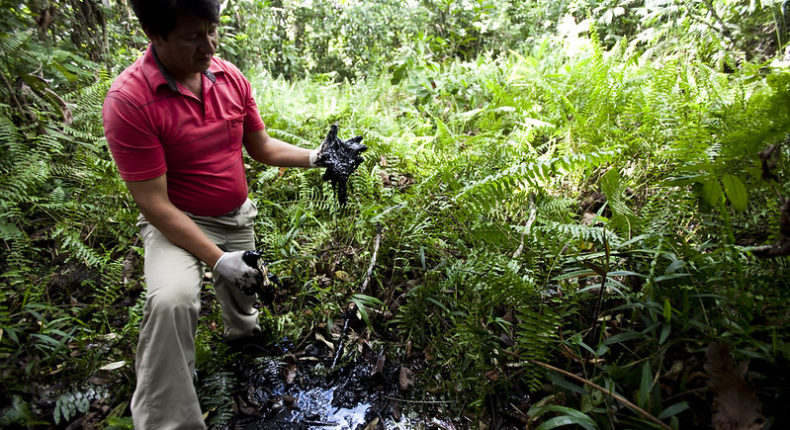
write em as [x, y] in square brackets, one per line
[604, 229]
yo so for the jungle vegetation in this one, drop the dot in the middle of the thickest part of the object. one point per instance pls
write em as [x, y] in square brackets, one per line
[588, 198]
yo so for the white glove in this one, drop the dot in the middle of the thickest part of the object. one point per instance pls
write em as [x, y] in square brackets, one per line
[314, 156]
[232, 267]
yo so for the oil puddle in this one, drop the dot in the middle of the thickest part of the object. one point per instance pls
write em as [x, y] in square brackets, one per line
[301, 390]
[312, 409]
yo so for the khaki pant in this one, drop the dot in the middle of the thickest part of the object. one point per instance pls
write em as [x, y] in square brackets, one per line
[165, 396]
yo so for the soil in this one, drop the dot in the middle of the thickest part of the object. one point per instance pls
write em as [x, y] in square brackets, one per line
[309, 387]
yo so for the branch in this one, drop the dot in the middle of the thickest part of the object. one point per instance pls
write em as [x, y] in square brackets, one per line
[528, 226]
[12, 94]
[372, 259]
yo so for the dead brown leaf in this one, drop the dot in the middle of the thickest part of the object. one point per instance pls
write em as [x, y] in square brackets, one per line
[379, 367]
[290, 373]
[735, 404]
[406, 378]
[492, 375]
[372, 425]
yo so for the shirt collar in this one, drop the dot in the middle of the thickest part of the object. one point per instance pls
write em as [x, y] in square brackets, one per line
[163, 77]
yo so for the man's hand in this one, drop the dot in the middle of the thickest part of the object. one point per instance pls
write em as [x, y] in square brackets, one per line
[232, 267]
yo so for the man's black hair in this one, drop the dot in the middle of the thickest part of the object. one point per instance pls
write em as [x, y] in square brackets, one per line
[158, 17]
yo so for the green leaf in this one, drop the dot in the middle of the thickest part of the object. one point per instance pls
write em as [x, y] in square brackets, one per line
[623, 337]
[367, 300]
[712, 193]
[363, 302]
[578, 419]
[735, 190]
[665, 331]
[667, 311]
[673, 410]
[645, 384]
[398, 74]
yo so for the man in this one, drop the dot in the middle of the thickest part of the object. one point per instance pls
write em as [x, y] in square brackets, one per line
[175, 122]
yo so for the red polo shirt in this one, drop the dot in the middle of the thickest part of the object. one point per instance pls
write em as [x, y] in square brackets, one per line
[155, 125]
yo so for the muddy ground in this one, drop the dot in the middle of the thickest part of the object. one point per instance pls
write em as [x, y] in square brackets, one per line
[284, 386]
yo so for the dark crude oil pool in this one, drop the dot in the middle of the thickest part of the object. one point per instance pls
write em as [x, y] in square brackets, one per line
[302, 391]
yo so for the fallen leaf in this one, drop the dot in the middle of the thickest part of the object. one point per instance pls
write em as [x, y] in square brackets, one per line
[395, 410]
[290, 401]
[406, 378]
[113, 366]
[101, 377]
[343, 276]
[492, 375]
[443, 425]
[735, 404]
[385, 178]
[372, 425]
[321, 338]
[290, 373]
[379, 367]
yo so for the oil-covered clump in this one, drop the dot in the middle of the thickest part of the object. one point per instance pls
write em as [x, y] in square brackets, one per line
[265, 282]
[340, 158]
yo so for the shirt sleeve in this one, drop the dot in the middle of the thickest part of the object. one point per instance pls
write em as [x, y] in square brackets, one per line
[252, 117]
[134, 146]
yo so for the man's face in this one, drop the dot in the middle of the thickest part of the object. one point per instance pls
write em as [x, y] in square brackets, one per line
[189, 46]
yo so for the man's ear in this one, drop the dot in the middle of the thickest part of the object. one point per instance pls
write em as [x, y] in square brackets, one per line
[153, 37]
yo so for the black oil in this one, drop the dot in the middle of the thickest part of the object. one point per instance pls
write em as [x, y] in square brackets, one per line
[297, 389]
[341, 158]
[265, 280]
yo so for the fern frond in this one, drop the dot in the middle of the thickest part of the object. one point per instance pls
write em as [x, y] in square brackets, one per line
[578, 232]
[216, 394]
[493, 189]
[291, 138]
[537, 338]
[11, 41]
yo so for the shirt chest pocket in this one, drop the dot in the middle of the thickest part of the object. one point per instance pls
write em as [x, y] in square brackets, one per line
[235, 126]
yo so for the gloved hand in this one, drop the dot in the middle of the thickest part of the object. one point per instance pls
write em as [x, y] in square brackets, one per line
[265, 289]
[247, 278]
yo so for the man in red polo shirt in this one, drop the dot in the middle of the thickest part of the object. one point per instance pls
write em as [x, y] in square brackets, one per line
[175, 122]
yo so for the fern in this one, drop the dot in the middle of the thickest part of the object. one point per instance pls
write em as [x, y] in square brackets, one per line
[216, 395]
[538, 337]
[11, 42]
[578, 232]
[292, 138]
[484, 194]
[77, 402]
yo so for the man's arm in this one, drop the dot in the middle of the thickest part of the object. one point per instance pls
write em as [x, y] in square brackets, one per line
[151, 197]
[274, 152]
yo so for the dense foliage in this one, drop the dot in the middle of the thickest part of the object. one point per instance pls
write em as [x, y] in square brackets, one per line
[588, 186]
